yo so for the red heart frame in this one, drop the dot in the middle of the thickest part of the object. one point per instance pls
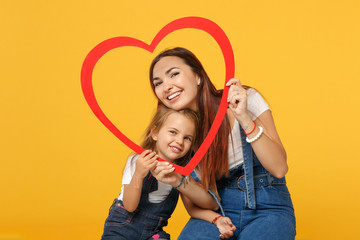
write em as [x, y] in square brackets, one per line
[188, 22]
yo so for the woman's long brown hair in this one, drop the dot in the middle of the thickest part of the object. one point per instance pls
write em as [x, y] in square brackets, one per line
[215, 162]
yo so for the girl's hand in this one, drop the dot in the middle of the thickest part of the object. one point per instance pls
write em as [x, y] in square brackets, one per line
[225, 227]
[237, 99]
[146, 161]
[164, 172]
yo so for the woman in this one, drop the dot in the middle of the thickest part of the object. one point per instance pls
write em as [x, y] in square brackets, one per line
[246, 163]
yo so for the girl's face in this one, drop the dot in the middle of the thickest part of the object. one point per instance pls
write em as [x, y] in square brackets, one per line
[175, 84]
[174, 139]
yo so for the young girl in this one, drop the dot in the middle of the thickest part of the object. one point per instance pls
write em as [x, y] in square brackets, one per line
[145, 204]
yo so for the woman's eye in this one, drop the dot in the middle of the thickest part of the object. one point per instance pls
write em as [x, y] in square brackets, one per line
[172, 132]
[174, 74]
[157, 84]
[188, 139]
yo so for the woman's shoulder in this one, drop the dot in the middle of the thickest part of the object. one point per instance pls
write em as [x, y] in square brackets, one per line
[254, 95]
[256, 103]
[252, 92]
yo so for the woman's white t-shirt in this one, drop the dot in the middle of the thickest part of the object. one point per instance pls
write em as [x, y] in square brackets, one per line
[256, 105]
[154, 197]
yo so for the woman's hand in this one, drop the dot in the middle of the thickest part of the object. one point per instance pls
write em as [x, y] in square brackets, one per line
[226, 227]
[237, 99]
[146, 161]
[164, 172]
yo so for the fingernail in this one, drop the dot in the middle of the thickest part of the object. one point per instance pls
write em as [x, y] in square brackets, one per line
[228, 99]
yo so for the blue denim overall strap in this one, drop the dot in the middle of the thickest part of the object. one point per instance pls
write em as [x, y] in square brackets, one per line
[251, 162]
[246, 171]
[196, 177]
[163, 209]
[248, 166]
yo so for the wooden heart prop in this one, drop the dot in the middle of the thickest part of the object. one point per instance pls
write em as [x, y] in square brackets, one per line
[188, 22]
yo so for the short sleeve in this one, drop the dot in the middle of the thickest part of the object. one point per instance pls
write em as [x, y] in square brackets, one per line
[255, 103]
[129, 169]
[128, 173]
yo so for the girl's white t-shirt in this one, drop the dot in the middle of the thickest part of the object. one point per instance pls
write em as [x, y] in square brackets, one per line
[256, 105]
[154, 197]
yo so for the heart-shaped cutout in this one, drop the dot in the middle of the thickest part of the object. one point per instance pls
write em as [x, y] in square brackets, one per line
[188, 22]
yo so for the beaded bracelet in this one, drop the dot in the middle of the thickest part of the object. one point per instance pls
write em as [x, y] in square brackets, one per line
[251, 130]
[181, 182]
[256, 137]
[216, 218]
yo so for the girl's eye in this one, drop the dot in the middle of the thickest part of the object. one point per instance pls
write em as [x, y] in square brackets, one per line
[174, 74]
[157, 84]
[172, 132]
[188, 138]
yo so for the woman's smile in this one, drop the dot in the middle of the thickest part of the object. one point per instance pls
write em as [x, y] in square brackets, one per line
[174, 95]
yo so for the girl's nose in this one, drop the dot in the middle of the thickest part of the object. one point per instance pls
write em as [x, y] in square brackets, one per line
[180, 141]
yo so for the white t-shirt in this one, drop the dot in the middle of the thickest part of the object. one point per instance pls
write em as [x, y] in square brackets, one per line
[256, 105]
[154, 197]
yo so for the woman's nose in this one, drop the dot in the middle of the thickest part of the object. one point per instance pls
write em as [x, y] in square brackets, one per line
[168, 86]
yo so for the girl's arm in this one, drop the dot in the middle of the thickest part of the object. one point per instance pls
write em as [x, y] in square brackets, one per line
[132, 191]
[224, 224]
[164, 172]
[268, 147]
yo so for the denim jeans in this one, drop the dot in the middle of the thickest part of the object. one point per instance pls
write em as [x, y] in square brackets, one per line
[123, 225]
[273, 218]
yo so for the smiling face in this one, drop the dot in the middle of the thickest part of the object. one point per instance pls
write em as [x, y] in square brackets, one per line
[174, 138]
[175, 84]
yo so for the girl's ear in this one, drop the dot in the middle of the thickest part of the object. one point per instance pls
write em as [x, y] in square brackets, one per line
[154, 134]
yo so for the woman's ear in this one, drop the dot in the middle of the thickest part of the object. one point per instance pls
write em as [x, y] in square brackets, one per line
[198, 80]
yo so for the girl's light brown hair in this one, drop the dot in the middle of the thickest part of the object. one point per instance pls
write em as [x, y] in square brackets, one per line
[215, 162]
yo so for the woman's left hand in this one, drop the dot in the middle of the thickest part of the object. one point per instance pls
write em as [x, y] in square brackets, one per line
[237, 99]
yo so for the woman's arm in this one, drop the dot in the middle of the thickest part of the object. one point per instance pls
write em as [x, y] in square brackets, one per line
[268, 148]
[224, 224]
[132, 191]
[164, 172]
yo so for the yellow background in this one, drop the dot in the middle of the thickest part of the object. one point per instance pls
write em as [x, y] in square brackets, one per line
[61, 168]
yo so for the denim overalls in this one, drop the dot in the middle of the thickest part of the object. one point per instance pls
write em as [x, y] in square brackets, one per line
[146, 222]
[258, 204]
